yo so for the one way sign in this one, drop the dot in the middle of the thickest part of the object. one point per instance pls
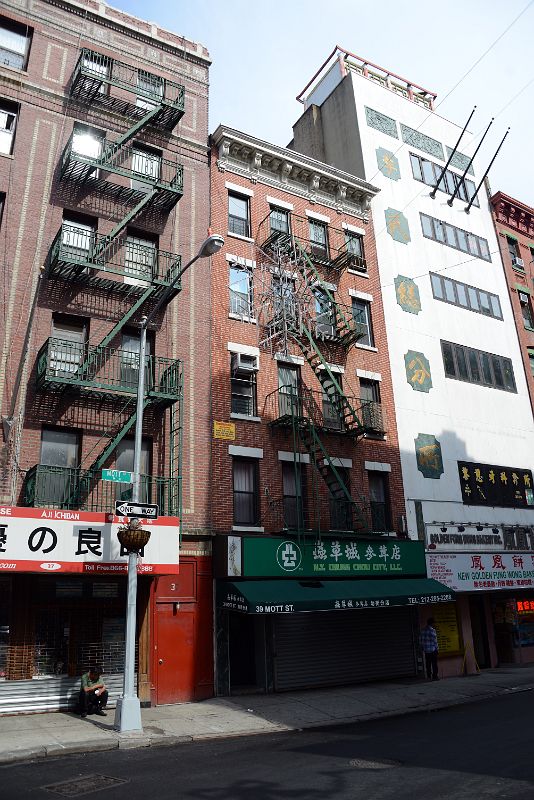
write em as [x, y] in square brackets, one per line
[139, 510]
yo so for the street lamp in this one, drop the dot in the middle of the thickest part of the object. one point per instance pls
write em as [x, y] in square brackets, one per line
[128, 712]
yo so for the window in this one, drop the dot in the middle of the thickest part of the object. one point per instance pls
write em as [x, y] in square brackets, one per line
[129, 362]
[60, 450]
[140, 257]
[288, 390]
[293, 484]
[87, 141]
[379, 502]
[2, 205]
[15, 40]
[318, 238]
[149, 89]
[477, 366]
[371, 409]
[77, 238]
[361, 311]
[526, 310]
[67, 349]
[455, 237]
[243, 385]
[332, 418]
[340, 505]
[469, 297]
[428, 172]
[8, 122]
[246, 492]
[124, 461]
[238, 215]
[284, 296]
[146, 164]
[279, 220]
[325, 316]
[531, 360]
[513, 250]
[241, 296]
[99, 66]
[354, 246]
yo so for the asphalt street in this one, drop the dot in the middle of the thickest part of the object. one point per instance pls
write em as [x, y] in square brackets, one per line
[471, 752]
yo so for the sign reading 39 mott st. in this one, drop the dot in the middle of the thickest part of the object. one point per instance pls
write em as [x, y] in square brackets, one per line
[334, 558]
[52, 540]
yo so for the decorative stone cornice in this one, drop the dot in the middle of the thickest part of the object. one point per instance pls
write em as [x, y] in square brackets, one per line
[513, 213]
[292, 172]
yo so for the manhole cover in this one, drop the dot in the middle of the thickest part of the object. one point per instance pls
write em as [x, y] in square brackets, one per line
[83, 785]
[364, 763]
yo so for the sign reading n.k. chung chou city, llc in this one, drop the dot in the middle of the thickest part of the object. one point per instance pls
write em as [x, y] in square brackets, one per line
[467, 572]
[53, 540]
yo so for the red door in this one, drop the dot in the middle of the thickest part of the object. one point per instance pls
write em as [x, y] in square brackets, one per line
[175, 654]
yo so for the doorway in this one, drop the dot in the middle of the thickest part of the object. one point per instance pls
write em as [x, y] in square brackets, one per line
[175, 662]
[479, 629]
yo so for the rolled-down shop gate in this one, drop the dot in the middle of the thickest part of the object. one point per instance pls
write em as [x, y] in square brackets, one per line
[290, 633]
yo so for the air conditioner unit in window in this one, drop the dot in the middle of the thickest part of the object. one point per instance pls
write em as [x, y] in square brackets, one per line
[518, 262]
[244, 363]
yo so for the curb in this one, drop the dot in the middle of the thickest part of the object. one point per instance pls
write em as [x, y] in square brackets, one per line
[163, 740]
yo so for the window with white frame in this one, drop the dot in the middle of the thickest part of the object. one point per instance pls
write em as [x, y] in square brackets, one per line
[243, 388]
[140, 256]
[100, 68]
[246, 491]
[238, 214]
[526, 310]
[87, 141]
[8, 122]
[150, 89]
[15, 40]
[77, 238]
[361, 311]
[354, 246]
[241, 291]
[318, 238]
[279, 219]
[293, 485]
[68, 345]
[147, 166]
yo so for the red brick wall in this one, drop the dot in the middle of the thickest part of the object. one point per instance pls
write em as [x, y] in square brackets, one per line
[35, 201]
[512, 216]
[225, 329]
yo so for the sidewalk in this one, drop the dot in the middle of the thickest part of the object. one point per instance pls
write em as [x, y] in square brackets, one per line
[34, 736]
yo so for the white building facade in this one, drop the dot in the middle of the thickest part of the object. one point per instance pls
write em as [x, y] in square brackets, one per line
[463, 413]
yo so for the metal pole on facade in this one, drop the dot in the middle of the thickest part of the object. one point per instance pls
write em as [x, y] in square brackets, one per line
[128, 713]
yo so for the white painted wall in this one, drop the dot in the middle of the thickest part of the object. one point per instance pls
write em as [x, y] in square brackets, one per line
[473, 423]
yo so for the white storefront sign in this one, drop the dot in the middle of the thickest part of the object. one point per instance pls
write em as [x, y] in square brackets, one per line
[50, 540]
[468, 572]
[446, 538]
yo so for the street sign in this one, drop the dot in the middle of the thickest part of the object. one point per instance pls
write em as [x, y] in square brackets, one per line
[117, 475]
[139, 510]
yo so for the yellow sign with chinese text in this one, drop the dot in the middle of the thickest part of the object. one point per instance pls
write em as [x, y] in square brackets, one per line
[224, 430]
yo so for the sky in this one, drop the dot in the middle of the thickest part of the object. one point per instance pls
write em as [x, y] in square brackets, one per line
[265, 53]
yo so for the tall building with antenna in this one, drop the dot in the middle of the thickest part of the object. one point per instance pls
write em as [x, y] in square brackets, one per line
[103, 130]
[461, 399]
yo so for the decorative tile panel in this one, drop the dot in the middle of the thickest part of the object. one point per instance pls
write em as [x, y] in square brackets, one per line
[388, 164]
[422, 142]
[397, 225]
[428, 455]
[407, 293]
[418, 371]
[460, 161]
[381, 122]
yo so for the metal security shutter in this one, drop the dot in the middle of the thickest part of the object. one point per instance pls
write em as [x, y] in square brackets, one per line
[335, 648]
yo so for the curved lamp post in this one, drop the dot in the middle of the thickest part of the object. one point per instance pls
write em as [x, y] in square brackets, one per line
[128, 713]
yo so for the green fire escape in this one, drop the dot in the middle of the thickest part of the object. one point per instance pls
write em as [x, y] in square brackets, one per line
[136, 178]
[302, 309]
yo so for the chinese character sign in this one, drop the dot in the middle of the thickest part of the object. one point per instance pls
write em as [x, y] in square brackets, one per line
[467, 572]
[51, 540]
[487, 484]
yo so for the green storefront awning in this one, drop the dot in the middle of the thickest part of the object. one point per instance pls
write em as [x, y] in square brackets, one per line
[289, 597]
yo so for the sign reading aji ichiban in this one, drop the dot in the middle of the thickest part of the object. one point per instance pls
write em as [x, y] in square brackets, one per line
[489, 485]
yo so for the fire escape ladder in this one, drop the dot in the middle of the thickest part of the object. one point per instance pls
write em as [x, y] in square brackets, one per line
[113, 148]
[326, 377]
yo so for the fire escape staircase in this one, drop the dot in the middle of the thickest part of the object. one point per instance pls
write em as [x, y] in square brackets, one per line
[162, 107]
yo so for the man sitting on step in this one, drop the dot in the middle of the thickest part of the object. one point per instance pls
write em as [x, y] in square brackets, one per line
[93, 693]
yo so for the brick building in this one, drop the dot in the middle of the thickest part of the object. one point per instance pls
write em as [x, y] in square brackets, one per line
[103, 129]
[305, 457]
[514, 223]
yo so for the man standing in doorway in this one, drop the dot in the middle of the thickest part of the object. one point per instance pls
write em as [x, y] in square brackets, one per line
[429, 645]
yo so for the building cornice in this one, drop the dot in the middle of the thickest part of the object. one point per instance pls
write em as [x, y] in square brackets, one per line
[513, 213]
[291, 172]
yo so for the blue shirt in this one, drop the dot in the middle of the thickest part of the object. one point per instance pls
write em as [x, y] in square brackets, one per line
[429, 639]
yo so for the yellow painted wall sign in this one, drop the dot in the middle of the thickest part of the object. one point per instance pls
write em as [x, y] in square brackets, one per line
[224, 430]
[447, 629]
